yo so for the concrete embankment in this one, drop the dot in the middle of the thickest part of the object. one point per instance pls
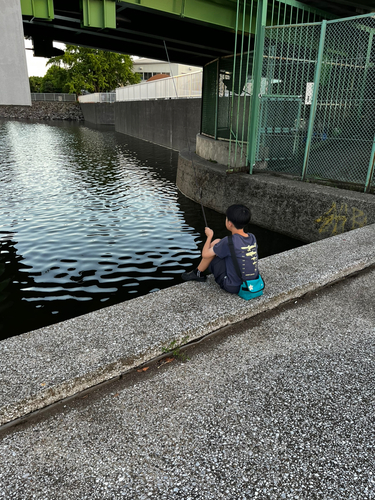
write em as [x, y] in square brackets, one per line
[173, 123]
[305, 211]
[99, 113]
[44, 366]
[44, 110]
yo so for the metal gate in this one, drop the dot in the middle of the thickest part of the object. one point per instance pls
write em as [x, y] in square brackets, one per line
[278, 133]
[318, 101]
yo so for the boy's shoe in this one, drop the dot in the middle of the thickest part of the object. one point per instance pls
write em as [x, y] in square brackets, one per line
[194, 275]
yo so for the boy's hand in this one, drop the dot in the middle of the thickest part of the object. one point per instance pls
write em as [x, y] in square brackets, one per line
[209, 232]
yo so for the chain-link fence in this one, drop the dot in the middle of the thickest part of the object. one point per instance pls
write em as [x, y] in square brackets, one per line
[289, 64]
[53, 97]
[343, 129]
[228, 82]
[316, 113]
[315, 95]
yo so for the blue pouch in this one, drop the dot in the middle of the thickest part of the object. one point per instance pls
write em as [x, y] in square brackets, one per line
[251, 289]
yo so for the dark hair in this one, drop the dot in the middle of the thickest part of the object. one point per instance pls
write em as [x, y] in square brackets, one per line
[238, 215]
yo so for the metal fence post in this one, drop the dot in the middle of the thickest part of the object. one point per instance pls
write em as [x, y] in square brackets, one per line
[217, 97]
[314, 99]
[371, 167]
[257, 78]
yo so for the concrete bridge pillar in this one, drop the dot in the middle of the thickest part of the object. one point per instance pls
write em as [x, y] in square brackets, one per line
[14, 81]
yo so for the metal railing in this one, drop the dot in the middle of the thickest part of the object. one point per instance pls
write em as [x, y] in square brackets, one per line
[316, 120]
[53, 97]
[303, 105]
[188, 86]
[98, 97]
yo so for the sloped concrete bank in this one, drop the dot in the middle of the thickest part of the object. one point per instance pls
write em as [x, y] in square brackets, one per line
[44, 366]
[308, 212]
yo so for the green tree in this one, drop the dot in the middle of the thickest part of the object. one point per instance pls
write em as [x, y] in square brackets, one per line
[95, 70]
[55, 80]
[35, 83]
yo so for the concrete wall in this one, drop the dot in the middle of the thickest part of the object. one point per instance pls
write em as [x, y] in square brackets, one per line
[173, 123]
[99, 113]
[305, 211]
[14, 80]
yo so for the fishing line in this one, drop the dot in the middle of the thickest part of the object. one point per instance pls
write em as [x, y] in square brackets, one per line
[187, 140]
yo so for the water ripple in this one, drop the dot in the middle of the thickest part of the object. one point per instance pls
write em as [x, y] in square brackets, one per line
[89, 218]
[85, 217]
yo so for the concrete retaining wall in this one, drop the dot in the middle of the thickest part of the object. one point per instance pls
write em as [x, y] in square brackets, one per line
[173, 123]
[305, 211]
[99, 113]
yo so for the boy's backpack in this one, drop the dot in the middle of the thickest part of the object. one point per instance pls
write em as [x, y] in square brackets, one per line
[248, 289]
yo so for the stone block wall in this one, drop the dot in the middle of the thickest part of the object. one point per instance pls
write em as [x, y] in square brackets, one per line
[44, 110]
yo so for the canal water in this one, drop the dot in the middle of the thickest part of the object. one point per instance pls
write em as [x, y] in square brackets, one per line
[90, 218]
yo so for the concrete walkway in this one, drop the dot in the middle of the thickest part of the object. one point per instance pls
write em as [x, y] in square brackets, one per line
[44, 366]
[280, 406]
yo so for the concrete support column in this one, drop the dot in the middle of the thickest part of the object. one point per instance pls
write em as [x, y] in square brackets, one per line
[14, 80]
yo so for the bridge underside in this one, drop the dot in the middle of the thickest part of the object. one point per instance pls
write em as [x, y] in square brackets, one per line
[139, 31]
[195, 31]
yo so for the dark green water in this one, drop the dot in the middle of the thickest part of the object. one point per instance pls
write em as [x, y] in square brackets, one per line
[89, 218]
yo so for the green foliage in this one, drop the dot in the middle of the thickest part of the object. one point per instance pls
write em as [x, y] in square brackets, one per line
[175, 349]
[94, 70]
[35, 83]
[55, 80]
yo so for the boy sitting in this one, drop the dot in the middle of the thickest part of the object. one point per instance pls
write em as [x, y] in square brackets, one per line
[216, 255]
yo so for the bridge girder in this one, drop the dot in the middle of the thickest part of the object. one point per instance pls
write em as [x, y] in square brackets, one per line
[141, 30]
[195, 31]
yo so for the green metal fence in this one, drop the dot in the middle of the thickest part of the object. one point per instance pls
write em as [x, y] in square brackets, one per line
[289, 65]
[308, 108]
[343, 126]
[230, 107]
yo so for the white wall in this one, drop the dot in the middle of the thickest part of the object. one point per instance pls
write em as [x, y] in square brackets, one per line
[14, 81]
[144, 65]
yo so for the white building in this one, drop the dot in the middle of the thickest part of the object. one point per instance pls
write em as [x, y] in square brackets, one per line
[150, 67]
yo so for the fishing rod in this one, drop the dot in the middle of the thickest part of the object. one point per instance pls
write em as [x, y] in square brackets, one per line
[188, 142]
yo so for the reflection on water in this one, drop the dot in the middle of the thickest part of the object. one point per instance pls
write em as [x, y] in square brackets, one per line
[89, 218]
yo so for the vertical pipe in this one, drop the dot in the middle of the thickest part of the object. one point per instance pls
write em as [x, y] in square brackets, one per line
[297, 83]
[370, 172]
[240, 79]
[244, 128]
[229, 169]
[368, 56]
[314, 98]
[257, 78]
[273, 10]
[217, 97]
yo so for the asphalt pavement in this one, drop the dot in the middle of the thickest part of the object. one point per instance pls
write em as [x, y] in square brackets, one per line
[279, 406]
[268, 399]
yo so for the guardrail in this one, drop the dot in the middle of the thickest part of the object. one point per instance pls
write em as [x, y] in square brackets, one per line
[53, 97]
[98, 97]
[188, 86]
